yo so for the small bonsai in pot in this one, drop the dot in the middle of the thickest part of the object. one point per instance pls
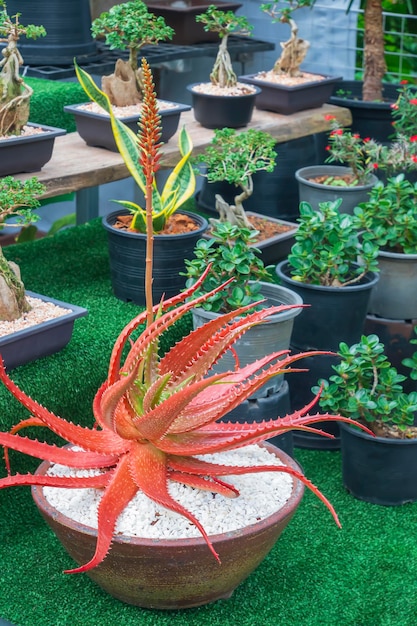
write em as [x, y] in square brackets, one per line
[153, 415]
[129, 25]
[215, 103]
[15, 93]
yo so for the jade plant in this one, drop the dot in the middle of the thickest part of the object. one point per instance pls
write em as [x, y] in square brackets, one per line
[180, 184]
[17, 200]
[388, 218]
[15, 94]
[367, 388]
[129, 25]
[235, 157]
[224, 23]
[229, 253]
[295, 49]
[154, 415]
[328, 246]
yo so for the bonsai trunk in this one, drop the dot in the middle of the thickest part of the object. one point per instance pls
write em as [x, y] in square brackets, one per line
[233, 213]
[374, 61]
[123, 86]
[222, 73]
[14, 93]
[13, 302]
[293, 54]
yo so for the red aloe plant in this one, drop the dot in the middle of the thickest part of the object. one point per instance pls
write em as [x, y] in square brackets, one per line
[154, 413]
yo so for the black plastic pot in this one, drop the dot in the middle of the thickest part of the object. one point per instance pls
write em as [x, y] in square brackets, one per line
[42, 339]
[378, 470]
[269, 407]
[96, 129]
[274, 193]
[287, 100]
[68, 31]
[127, 253]
[28, 153]
[213, 111]
[335, 314]
[369, 119]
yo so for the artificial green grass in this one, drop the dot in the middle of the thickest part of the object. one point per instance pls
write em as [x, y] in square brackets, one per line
[364, 574]
[48, 100]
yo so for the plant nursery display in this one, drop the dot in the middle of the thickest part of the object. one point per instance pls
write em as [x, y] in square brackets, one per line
[31, 325]
[323, 268]
[156, 424]
[27, 147]
[130, 26]
[234, 158]
[286, 88]
[389, 220]
[366, 387]
[224, 101]
[175, 233]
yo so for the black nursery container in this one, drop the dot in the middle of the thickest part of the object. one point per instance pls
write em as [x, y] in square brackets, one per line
[214, 111]
[378, 470]
[127, 254]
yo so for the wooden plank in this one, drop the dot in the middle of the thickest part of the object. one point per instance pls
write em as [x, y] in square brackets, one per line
[75, 166]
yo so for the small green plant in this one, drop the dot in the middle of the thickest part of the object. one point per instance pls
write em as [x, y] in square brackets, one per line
[235, 157]
[328, 245]
[230, 255]
[295, 49]
[17, 199]
[224, 23]
[367, 388]
[130, 26]
[15, 94]
[404, 111]
[389, 217]
[180, 184]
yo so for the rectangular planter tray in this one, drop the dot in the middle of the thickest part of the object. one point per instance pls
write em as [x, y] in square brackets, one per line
[28, 153]
[42, 339]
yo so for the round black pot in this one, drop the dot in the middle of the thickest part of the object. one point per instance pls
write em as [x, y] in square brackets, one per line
[274, 193]
[369, 119]
[378, 470]
[127, 254]
[335, 314]
[67, 26]
[213, 111]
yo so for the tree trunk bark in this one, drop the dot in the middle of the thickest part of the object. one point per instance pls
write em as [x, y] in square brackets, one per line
[374, 60]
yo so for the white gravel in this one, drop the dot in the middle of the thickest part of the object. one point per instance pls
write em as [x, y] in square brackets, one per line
[41, 311]
[261, 494]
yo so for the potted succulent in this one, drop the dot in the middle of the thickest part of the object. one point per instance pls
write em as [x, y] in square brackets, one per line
[231, 161]
[379, 468]
[286, 88]
[223, 102]
[155, 414]
[175, 232]
[351, 181]
[24, 147]
[323, 268]
[34, 325]
[389, 219]
[129, 25]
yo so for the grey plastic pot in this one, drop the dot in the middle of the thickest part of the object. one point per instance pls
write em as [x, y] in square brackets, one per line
[395, 295]
[272, 335]
[314, 193]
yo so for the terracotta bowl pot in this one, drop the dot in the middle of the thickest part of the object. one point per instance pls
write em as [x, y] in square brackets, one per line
[178, 573]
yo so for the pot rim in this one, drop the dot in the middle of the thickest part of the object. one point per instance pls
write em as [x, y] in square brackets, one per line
[370, 279]
[302, 176]
[282, 513]
[106, 221]
[257, 90]
[401, 257]
[382, 440]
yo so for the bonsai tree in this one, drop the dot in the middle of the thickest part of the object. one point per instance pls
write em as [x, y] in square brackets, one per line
[17, 199]
[389, 217]
[295, 49]
[229, 254]
[130, 26]
[328, 245]
[367, 388]
[15, 94]
[235, 157]
[180, 184]
[154, 414]
[224, 23]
